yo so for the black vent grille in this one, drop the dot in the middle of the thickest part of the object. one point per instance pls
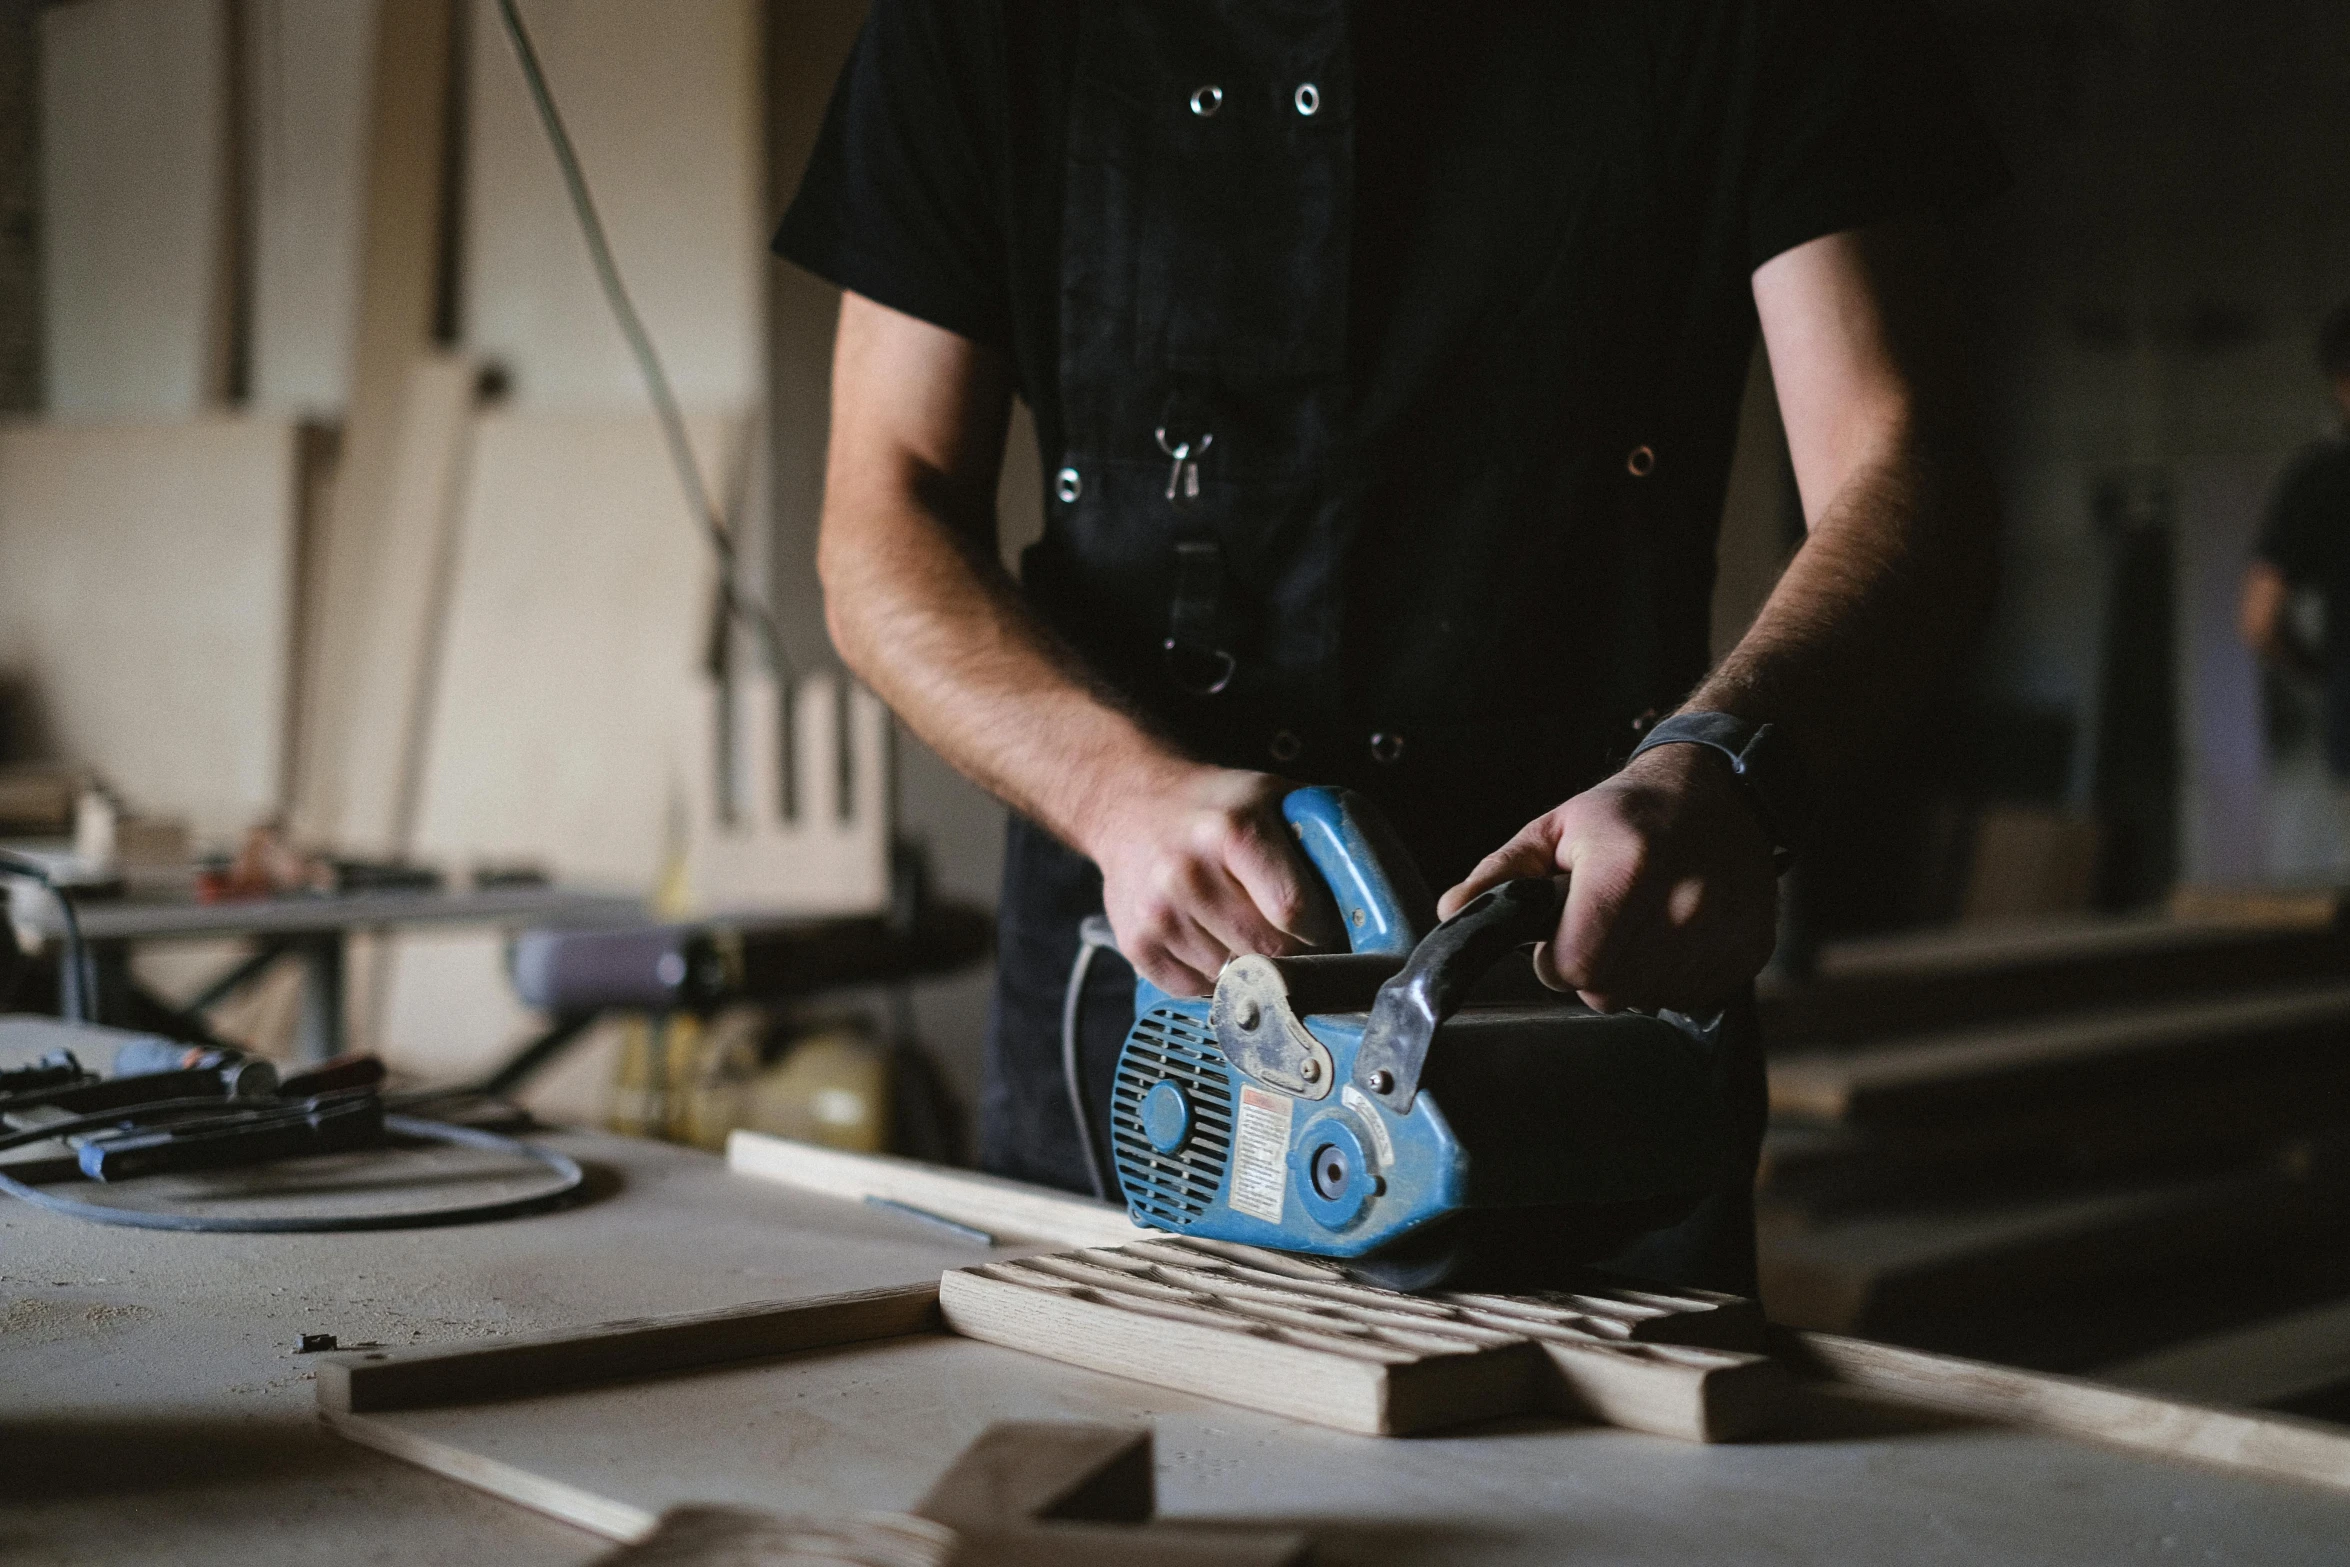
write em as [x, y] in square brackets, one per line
[1172, 1188]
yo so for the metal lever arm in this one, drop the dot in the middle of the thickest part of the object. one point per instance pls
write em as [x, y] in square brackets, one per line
[1436, 979]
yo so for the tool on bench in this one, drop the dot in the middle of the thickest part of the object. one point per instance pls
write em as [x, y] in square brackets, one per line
[1376, 1107]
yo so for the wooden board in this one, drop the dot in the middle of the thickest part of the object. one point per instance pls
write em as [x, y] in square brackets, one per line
[663, 104]
[369, 1381]
[1002, 1208]
[582, 591]
[872, 1426]
[1292, 1338]
[136, 220]
[2025, 1066]
[308, 65]
[1937, 980]
[367, 589]
[1901, 1271]
[2271, 1362]
[2276, 1445]
[146, 595]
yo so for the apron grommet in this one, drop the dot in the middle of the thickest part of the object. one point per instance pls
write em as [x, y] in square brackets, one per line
[1386, 749]
[1308, 99]
[1286, 747]
[1207, 100]
[1641, 462]
[1068, 485]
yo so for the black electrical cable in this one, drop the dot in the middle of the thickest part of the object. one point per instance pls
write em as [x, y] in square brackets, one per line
[126, 1114]
[569, 1176]
[79, 993]
[640, 344]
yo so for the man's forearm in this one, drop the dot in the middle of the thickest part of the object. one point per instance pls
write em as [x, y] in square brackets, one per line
[940, 633]
[1894, 582]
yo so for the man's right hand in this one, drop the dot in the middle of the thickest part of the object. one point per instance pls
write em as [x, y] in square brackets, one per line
[1198, 867]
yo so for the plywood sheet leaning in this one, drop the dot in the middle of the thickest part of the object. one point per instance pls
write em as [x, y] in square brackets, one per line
[663, 105]
[146, 591]
[828, 853]
[1291, 1338]
[581, 594]
[136, 224]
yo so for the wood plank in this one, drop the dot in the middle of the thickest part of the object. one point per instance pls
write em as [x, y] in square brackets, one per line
[147, 591]
[1000, 1207]
[1886, 1273]
[2269, 1362]
[1315, 1348]
[361, 1382]
[137, 225]
[368, 588]
[1022, 1470]
[2275, 1445]
[2023, 1066]
[1937, 980]
[576, 1504]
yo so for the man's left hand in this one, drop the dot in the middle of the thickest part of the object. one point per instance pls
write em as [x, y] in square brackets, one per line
[1672, 898]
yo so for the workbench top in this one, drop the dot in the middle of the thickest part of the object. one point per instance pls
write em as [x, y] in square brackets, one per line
[153, 1409]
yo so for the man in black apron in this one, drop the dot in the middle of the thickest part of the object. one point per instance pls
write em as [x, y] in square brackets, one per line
[1385, 361]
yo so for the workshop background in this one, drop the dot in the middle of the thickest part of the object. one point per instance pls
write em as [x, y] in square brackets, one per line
[339, 545]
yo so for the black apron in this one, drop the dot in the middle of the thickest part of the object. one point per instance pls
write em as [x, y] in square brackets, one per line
[1205, 546]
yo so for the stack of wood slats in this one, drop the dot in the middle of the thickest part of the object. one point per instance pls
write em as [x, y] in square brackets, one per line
[1968, 1127]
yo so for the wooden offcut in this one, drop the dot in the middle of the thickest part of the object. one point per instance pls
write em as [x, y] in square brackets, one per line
[1005, 1209]
[1262, 1330]
[368, 1381]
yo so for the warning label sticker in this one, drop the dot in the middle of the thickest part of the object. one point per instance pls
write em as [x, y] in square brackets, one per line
[1260, 1154]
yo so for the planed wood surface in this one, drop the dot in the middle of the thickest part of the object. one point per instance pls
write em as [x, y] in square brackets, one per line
[2275, 1445]
[1294, 1338]
[1001, 1208]
[361, 1382]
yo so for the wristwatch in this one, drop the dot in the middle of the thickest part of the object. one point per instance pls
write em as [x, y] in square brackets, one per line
[1769, 773]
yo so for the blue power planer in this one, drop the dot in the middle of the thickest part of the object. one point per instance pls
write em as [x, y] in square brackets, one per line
[1418, 1104]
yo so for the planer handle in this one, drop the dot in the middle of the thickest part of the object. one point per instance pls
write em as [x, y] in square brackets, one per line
[1385, 905]
[1436, 979]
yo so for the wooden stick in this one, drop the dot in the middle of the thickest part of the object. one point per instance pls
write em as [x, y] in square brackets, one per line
[374, 1380]
[1002, 1208]
[2276, 1445]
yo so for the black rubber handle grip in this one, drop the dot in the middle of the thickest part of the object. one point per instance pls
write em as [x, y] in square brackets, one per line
[1437, 977]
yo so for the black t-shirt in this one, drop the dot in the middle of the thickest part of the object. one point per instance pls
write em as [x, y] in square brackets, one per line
[1556, 209]
[2307, 537]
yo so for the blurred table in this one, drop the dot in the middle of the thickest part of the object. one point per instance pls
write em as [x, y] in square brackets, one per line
[312, 929]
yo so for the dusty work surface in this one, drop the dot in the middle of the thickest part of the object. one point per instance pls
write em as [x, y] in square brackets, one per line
[152, 1408]
[870, 1426]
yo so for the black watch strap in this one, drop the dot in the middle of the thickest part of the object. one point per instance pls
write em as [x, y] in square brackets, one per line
[1768, 770]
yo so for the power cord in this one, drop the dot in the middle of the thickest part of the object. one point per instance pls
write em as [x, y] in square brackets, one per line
[1093, 936]
[78, 995]
[739, 604]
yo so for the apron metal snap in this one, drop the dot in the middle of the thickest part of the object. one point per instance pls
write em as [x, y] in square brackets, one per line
[1198, 671]
[1287, 747]
[1308, 99]
[1641, 462]
[1068, 486]
[1386, 749]
[1207, 100]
